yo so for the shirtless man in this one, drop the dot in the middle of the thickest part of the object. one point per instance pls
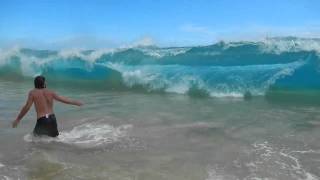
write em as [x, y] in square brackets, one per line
[43, 102]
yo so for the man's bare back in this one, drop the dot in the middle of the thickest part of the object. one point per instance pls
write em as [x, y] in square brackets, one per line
[43, 99]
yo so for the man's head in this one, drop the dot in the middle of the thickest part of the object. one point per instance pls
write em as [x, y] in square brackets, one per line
[40, 82]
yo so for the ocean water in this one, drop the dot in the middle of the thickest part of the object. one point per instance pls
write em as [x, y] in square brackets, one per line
[236, 110]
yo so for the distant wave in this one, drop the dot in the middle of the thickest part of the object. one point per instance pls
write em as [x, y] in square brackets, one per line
[218, 70]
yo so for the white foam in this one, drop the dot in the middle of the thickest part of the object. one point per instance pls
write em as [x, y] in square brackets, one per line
[1, 165]
[283, 159]
[32, 65]
[265, 161]
[287, 71]
[5, 54]
[90, 57]
[5, 177]
[279, 45]
[214, 173]
[86, 135]
[217, 81]
[161, 52]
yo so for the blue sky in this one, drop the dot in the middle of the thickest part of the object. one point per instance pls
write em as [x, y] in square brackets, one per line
[112, 23]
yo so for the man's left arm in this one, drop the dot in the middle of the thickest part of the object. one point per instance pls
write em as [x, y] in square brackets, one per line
[23, 111]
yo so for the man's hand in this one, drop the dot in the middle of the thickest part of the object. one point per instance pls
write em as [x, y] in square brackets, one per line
[15, 123]
[78, 103]
[24, 110]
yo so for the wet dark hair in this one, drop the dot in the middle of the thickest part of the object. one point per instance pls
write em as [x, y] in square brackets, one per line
[39, 82]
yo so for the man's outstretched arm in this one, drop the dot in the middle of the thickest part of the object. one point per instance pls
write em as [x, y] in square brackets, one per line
[23, 111]
[66, 100]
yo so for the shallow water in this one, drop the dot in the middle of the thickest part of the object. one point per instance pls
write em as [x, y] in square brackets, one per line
[126, 135]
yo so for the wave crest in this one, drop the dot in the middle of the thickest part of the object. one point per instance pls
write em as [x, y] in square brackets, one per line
[219, 70]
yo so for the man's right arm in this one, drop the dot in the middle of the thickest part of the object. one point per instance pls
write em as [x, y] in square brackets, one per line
[24, 110]
[66, 100]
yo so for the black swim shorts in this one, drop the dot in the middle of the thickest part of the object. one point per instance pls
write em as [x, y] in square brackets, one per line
[46, 125]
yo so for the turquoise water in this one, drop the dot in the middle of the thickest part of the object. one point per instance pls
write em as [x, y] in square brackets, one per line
[244, 110]
[220, 70]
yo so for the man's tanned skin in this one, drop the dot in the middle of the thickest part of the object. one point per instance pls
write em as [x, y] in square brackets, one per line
[43, 103]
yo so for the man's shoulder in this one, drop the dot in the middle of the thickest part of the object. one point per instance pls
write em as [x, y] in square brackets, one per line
[34, 91]
[49, 91]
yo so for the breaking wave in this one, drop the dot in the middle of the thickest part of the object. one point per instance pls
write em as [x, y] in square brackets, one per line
[222, 69]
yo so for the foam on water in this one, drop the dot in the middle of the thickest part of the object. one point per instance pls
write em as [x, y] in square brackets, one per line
[5, 177]
[11, 172]
[86, 135]
[267, 162]
[2, 168]
[213, 174]
[159, 53]
[290, 44]
[280, 159]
